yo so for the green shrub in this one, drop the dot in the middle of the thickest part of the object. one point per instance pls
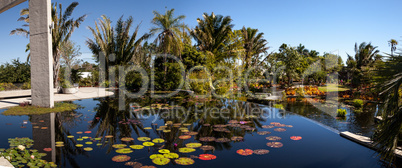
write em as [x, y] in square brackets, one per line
[26, 85]
[300, 92]
[7, 86]
[341, 113]
[358, 103]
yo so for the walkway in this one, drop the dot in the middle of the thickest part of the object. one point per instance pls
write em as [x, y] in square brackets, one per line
[83, 93]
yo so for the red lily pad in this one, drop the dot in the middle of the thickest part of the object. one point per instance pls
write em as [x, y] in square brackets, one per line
[184, 137]
[47, 149]
[191, 133]
[275, 144]
[206, 157]
[295, 138]
[245, 152]
[88, 132]
[121, 158]
[127, 139]
[261, 151]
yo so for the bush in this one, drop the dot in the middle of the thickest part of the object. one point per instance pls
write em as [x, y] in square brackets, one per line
[341, 113]
[7, 86]
[26, 85]
[358, 103]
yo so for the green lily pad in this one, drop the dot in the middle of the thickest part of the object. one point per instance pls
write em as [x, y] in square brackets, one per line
[144, 138]
[186, 150]
[193, 145]
[148, 144]
[164, 151]
[153, 156]
[124, 151]
[161, 161]
[158, 140]
[136, 146]
[171, 155]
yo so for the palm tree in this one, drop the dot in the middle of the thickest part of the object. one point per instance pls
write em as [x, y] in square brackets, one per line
[393, 43]
[115, 41]
[365, 56]
[64, 26]
[169, 33]
[389, 80]
[253, 44]
[211, 34]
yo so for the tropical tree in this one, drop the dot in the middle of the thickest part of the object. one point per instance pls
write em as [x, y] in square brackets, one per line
[393, 43]
[254, 44]
[63, 27]
[361, 64]
[290, 58]
[115, 43]
[389, 81]
[212, 34]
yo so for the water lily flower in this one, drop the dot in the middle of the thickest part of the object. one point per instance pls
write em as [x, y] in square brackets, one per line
[32, 157]
[21, 147]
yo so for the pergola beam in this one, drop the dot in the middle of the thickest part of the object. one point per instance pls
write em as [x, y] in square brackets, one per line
[7, 4]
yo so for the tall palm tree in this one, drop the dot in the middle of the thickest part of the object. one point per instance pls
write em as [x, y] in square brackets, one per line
[115, 41]
[365, 56]
[393, 43]
[63, 28]
[168, 30]
[254, 44]
[211, 34]
[389, 80]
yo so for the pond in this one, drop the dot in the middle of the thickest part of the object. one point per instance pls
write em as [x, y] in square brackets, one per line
[223, 128]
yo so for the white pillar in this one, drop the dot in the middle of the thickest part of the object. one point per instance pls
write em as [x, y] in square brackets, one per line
[41, 53]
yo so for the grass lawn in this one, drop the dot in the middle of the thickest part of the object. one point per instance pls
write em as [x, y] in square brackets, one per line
[33, 110]
[333, 88]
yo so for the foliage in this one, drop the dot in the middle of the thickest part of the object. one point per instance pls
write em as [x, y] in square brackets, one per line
[389, 82]
[19, 154]
[358, 103]
[15, 72]
[341, 113]
[69, 53]
[26, 85]
[362, 63]
[34, 110]
[7, 86]
[279, 106]
[254, 44]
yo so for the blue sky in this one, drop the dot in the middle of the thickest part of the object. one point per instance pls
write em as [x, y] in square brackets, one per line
[320, 25]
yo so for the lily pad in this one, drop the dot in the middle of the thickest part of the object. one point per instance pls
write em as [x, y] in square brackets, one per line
[158, 140]
[88, 132]
[147, 128]
[220, 129]
[136, 146]
[79, 132]
[207, 147]
[295, 138]
[184, 161]
[263, 132]
[206, 157]
[88, 149]
[261, 151]
[144, 138]
[153, 156]
[186, 150]
[237, 138]
[79, 145]
[275, 144]
[127, 139]
[191, 133]
[109, 136]
[70, 136]
[121, 158]
[166, 131]
[89, 143]
[273, 138]
[267, 126]
[171, 155]
[47, 149]
[245, 152]
[184, 137]
[134, 164]
[207, 139]
[222, 140]
[148, 144]
[124, 151]
[193, 145]
[280, 129]
[161, 161]
[164, 151]
[119, 146]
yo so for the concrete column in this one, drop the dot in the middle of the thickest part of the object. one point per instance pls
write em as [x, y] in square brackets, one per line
[41, 53]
